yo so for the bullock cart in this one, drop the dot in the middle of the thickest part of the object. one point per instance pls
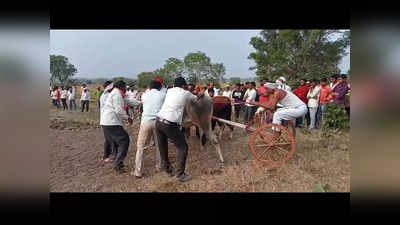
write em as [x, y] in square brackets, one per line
[268, 151]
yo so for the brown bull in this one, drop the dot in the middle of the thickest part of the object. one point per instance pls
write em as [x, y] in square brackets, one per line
[199, 113]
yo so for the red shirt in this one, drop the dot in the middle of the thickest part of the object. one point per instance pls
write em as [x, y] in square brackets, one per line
[261, 90]
[301, 92]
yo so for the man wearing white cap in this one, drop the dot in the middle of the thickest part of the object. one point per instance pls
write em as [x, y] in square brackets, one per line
[282, 84]
[292, 106]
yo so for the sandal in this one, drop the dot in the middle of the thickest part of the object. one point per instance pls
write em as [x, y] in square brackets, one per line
[107, 160]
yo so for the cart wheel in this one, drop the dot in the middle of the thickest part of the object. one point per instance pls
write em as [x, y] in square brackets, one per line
[270, 152]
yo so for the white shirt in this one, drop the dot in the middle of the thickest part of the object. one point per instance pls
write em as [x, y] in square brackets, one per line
[174, 104]
[215, 92]
[103, 99]
[285, 87]
[113, 112]
[54, 94]
[163, 89]
[64, 94]
[251, 95]
[227, 94]
[313, 97]
[85, 95]
[152, 102]
[71, 95]
[291, 101]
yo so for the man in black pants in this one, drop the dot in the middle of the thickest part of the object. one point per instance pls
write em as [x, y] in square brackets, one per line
[168, 126]
[237, 95]
[111, 119]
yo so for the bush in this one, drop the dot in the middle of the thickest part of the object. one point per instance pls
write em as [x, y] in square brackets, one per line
[336, 117]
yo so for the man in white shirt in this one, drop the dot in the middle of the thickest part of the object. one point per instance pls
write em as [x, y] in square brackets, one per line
[71, 98]
[163, 89]
[313, 102]
[211, 85]
[64, 95]
[54, 97]
[250, 96]
[109, 148]
[168, 126]
[227, 92]
[152, 102]
[111, 119]
[282, 84]
[85, 99]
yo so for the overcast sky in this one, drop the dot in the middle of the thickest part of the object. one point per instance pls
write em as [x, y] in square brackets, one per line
[111, 53]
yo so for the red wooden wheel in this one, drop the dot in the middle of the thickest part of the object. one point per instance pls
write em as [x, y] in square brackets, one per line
[269, 152]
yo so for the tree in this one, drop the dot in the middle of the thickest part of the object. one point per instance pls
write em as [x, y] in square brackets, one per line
[172, 69]
[197, 67]
[144, 78]
[234, 80]
[61, 69]
[310, 54]
[217, 73]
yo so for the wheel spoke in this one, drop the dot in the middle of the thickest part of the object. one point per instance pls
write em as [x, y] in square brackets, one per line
[264, 152]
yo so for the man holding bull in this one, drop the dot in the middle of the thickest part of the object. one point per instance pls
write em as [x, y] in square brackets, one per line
[168, 126]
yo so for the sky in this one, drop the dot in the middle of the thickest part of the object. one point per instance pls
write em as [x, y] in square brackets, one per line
[112, 53]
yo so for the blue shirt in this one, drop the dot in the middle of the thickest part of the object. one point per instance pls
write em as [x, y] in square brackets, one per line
[152, 101]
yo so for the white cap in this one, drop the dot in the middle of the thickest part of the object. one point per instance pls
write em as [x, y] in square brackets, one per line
[271, 85]
[282, 78]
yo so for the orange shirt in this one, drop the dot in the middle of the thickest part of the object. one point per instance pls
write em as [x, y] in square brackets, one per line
[325, 95]
[261, 90]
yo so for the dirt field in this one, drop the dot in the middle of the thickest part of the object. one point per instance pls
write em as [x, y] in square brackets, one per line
[76, 150]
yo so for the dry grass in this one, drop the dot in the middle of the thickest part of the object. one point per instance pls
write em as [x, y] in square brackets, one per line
[317, 161]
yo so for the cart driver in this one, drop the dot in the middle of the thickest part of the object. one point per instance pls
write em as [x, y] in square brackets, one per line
[291, 106]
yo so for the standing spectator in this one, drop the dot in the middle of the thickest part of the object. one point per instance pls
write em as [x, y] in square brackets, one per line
[85, 99]
[111, 119]
[152, 102]
[339, 91]
[250, 96]
[347, 100]
[54, 97]
[59, 96]
[190, 87]
[333, 82]
[83, 87]
[211, 85]
[210, 92]
[64, 95]
[262, 92]
[227, 92]
[313, 102]
[71, 98]
[168, 126]
[301, 92]
[237, 96]
[98, 93]
[51, 89]
[324, 98]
